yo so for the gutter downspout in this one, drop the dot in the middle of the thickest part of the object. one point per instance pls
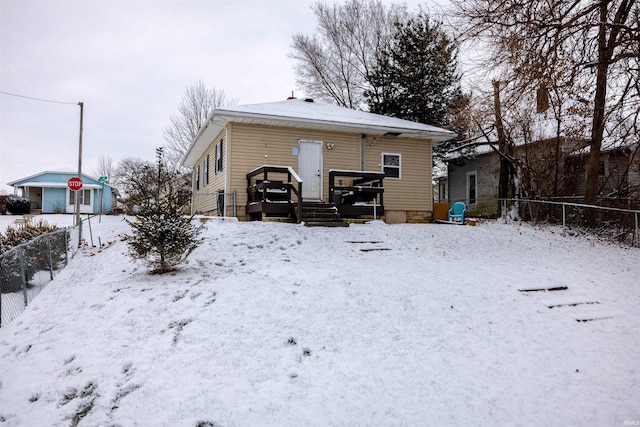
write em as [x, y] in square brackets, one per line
[226, 166]
[193, 191]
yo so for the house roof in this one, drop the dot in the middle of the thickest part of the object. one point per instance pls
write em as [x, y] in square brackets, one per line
[27, 181]
[309, 114]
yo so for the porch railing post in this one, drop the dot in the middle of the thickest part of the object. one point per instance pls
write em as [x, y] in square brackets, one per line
[264, 178]
[299, 216]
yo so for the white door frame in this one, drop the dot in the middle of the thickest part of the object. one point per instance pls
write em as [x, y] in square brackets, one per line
[317, 191]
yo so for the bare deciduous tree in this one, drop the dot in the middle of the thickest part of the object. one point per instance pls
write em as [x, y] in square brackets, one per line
[106, 167]
[597, 40]
[335, 64]
[128, 169]
[197, 104]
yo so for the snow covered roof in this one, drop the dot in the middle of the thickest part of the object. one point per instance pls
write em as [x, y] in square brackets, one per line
[309, 114]
[27, 181]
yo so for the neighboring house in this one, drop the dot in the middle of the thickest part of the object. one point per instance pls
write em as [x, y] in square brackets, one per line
[48, 193]
[553, 168]
[248, 161]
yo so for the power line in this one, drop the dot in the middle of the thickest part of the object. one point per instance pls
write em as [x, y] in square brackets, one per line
[37, 99]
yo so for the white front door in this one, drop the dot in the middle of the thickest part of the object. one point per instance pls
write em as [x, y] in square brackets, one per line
[310, 169]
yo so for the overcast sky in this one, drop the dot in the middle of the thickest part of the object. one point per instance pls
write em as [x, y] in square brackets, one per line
[129, 63]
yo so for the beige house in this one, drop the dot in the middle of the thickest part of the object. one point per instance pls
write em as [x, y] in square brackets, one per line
[302, 160]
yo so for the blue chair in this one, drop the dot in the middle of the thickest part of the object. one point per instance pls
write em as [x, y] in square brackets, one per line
[457, 211]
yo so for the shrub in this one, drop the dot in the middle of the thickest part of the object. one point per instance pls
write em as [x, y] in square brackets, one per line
[18, 205]
[3, 205]
[36, 255]
[17, 234]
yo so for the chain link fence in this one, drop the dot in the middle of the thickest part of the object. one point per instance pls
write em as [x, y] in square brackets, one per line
[614, 223]
[26, 269]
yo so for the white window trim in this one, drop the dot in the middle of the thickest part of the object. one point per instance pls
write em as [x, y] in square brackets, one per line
[382, 165]
[474, 173]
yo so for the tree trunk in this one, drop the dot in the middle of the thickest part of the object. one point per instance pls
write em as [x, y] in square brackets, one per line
[503, 183]
[597, 127]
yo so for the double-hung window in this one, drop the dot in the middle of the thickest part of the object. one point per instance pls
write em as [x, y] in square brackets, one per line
[205, 171]
[219, 157]
[84, 195]
[391, 165]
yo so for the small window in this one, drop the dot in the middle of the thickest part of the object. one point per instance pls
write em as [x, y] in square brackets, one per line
[391, 165]
[442, 191]
[197, 171]
[603, 167]
[205, 171]
[472, 188]
[219, 157]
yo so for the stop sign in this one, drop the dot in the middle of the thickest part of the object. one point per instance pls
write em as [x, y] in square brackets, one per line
[74, 183]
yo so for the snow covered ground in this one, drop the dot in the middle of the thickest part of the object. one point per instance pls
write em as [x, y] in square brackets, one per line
[284, 325]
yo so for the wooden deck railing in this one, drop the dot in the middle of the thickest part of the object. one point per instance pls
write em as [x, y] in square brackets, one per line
[270, 190]
[357, 193]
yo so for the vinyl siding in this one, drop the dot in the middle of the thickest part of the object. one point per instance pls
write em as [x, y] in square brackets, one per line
[251, 143]
[205, 199]
[254, 145]
[413, 191]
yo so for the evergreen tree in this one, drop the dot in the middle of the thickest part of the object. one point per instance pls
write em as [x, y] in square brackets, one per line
[162, 235]
[416, 77]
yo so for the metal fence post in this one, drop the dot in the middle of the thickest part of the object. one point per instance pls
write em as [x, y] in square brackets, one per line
[79, 234]
[50, 256]
[564, 216]
[23, 276]
[637, 233]
[66, 249]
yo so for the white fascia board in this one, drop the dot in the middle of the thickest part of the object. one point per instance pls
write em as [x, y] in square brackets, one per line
[58, 185]
[436, 136]
[205, 137]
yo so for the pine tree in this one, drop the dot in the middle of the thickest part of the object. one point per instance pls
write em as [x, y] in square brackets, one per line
[162, 235]
[416, 77]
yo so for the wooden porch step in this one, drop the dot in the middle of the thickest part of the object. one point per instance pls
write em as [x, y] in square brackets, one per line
[333, 223]
[319, 214]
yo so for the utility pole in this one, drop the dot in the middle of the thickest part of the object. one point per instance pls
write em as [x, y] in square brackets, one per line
[77, 222]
